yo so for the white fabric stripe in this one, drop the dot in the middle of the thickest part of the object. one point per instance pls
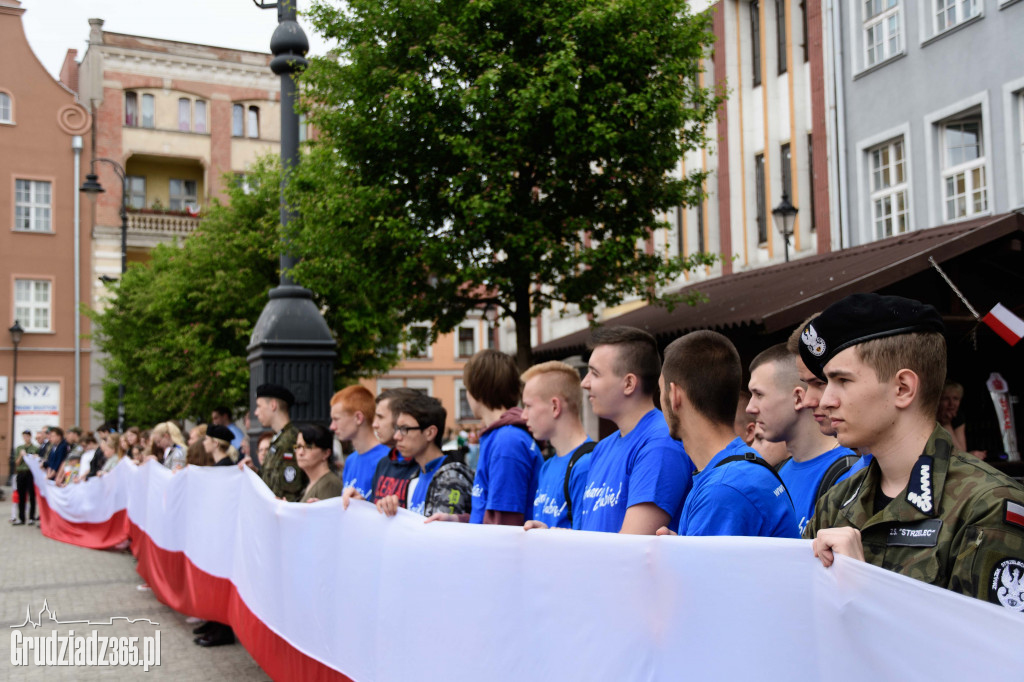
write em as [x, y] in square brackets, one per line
[385, 599]
[1015, 508]
[1009, 320]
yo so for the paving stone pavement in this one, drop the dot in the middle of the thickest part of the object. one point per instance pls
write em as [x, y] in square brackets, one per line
[86, 584]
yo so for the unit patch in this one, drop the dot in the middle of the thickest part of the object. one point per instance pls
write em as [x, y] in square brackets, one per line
[919, 493]
[815, 344]
[289, 474]
[1008, 584]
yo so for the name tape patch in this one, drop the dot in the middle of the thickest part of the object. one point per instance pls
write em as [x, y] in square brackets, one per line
[917, 534]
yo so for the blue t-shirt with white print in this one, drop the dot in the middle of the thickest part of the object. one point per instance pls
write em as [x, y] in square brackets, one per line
[645, 465]
[360, 467]
[549, 506]
[803, 478]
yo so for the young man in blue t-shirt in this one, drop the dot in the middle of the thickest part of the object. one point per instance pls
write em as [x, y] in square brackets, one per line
[734, 492]
[510, 461]
[776, 401]
[552, 399]
[639, 476]
[352, 412]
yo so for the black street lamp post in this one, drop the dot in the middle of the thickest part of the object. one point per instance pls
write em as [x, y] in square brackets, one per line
[92, 187]
[785, 215]
[16, 334]
[291, 344]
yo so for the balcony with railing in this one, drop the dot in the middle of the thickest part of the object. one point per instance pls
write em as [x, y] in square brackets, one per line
[168, 224]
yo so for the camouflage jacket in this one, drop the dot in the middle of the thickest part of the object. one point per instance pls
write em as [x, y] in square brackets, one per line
[281, 471]
[959, 524]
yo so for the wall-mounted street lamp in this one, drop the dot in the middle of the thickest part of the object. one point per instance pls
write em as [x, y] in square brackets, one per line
[16, 333]
[785, 216]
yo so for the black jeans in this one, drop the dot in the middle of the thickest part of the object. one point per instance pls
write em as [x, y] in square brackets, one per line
[26, 492]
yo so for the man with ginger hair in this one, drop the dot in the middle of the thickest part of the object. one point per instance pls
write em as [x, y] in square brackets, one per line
[352, 413]
[552, 401]
[922, 507]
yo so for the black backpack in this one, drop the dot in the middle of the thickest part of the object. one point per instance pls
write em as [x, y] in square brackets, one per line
[751, 457]
[580, 451]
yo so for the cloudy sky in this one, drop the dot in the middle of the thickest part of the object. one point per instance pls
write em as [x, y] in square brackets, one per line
[55, 26]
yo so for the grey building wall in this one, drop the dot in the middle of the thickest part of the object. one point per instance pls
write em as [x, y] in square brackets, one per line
[930, 89]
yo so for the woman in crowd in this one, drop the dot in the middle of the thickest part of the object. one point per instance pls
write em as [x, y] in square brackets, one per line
[197, 455]
[217, 443]
[111, 452]
[313, 450]
[167, 437]
[85, 466]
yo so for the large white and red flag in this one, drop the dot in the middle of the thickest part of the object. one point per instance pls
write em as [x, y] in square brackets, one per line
[1005, 323]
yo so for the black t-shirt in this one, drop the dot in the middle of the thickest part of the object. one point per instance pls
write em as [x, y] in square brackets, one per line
[881, 501]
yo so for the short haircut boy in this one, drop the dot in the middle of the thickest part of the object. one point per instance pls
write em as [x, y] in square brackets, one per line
[427, 412]
[638, 354]
[707, 367]
[355, 399]
[559, 379]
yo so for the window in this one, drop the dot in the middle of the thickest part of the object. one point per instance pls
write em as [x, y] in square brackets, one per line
[780, 33]
[184, 114]
[755, 40]
[303, 128]
[949, 13]
[965, 191]
[237, 120]
[200, 124]
[147, 111]
[183, 195]
[467, 342]
[254, 122]
[762, 223]
[810, 177]
[882, 33]
[32, 304]
[131, 109]
[465, 411]
[888, 189]
[418, 346]
[786, 160]
[5, 108]
[136, 185]
[701, 246]
[32, 206]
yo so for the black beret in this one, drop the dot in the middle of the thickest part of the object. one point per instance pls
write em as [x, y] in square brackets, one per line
[859, 318]
[220, 432]
[275, 391]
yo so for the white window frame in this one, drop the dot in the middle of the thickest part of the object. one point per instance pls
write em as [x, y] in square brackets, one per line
[147, 120]
[252, 122]
[461, 416]
[474, 328]
[425, 385]
[184, 115]
[935, 154]
[861, 24]
[864, 224]
[889, 194]
[38, 211]
[199, 116]
[186, 200]
[26, 311]
[6, 108]
[130, 181]
[963, 10]
[1013, 114]
[969, 171]
[237, 120]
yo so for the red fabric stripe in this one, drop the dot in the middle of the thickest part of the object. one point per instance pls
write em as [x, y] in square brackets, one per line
[103, 535]
[1014, 517]
[184, 587]
[998, 327]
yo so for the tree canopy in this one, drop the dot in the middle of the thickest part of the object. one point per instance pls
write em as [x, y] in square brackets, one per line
[519, 154]
[177, 327]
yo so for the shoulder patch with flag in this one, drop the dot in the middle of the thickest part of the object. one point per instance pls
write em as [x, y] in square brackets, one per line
[1005, 323]
[1014, 514]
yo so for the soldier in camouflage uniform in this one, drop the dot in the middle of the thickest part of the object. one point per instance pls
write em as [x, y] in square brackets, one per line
[952, 520]
[280, 471]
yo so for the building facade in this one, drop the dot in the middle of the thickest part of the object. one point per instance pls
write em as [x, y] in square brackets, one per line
[44, 251]
[180, 119]
[931, 96]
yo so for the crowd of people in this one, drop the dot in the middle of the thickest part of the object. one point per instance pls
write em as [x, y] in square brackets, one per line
[843, 435]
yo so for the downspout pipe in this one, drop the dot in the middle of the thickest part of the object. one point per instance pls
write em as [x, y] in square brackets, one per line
[76, 146]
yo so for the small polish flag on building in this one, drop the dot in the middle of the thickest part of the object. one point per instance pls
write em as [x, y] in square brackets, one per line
[1005, 323]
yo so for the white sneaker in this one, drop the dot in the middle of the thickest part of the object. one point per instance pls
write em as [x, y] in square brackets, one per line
[143, 587]
[192, 620]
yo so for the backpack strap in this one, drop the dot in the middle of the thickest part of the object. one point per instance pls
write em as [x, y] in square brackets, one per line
[588, 446]
[834, 472]
[751, 457]
[778, 467]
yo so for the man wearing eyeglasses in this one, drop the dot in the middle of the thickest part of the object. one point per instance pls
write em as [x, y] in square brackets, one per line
[438, 482]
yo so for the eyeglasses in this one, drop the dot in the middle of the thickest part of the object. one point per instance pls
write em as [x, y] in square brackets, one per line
[404, 430]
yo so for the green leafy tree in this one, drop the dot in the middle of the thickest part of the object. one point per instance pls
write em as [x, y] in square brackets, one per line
[177, 327]
[518, 154]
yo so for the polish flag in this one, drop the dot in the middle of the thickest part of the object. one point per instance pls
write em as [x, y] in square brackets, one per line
[1005, 323]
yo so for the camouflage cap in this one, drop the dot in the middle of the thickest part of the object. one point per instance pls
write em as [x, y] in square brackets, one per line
[859, 318]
